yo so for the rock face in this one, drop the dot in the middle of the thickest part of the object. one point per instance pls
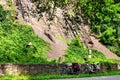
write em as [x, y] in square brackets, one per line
[44, 28]
[56, 23]
[52, 24]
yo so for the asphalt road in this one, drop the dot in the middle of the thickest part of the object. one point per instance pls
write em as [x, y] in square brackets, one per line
[117, 77]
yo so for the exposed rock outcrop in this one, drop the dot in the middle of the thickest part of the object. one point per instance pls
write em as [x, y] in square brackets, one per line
[56, 23]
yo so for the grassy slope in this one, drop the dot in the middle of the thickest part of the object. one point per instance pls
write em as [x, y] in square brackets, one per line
[15, 37]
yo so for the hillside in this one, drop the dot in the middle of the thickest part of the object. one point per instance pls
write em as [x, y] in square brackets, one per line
[56, 25]
[18, 43]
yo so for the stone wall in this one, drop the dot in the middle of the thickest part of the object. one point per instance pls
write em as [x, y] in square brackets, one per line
[31, 69]
[106, 67]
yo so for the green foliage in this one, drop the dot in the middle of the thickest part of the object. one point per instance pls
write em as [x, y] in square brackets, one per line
[104, 15]
[97, 56]
[76, 53]
[14, 40]
[3, 14]
[101, 12]
[108, 36]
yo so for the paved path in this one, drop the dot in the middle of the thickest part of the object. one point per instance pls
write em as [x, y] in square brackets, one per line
[96, 78]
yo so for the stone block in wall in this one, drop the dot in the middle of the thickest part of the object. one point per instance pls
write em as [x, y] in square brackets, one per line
[23, 68]
[39, 69]
[1, 70]
[15, 69]
[114, 67]
[106, 67]
[50, 69]
[9, 69]
[33, 69]
[118, 66]
[103, 67]
[60, 68]
[46, 68]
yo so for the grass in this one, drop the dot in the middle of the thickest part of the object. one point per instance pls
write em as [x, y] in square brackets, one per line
[15, 39]
[47, 77]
